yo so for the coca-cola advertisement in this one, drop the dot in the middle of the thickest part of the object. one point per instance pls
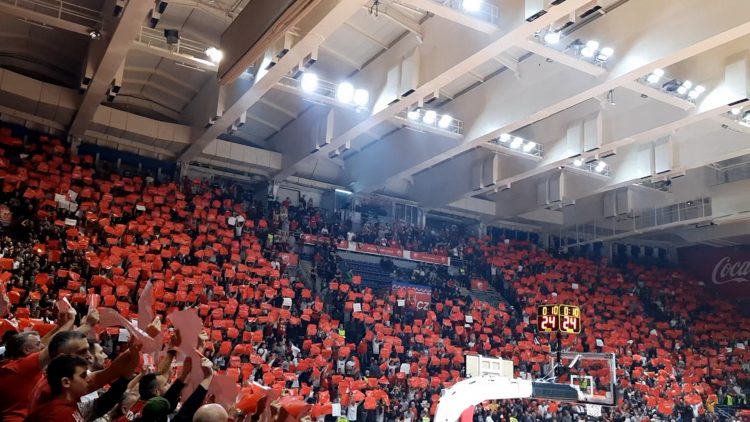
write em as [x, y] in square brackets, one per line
[724, 270]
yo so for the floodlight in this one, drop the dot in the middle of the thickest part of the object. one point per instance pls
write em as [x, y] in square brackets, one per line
[445, 121]
[517, 141]
[504, 138]
[361, 97]
[429, 117]
[309, 82]
[578, 162]
[214, 54]
[345, 92]
[414, 114]
[552, 37]
[529, 146]
[472, 5]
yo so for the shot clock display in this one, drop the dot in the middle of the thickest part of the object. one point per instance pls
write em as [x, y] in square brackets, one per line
[562, 318]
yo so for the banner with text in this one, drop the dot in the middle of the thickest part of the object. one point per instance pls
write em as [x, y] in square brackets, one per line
[427, 257]
[416, 296]
[724, 270]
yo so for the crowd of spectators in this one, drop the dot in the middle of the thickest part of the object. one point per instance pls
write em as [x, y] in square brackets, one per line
[227, 327]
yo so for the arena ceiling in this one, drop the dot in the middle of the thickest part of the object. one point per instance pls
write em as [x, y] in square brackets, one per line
[631, 105]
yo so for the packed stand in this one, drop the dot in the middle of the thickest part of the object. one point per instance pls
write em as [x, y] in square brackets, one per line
[189, 258]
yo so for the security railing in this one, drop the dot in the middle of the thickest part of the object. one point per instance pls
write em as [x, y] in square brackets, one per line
[183, 46]
[636, 222]
[61, 10]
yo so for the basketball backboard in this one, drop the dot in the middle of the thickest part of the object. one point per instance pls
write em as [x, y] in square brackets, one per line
[592, 375]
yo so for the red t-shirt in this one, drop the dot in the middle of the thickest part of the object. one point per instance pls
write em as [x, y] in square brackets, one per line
[17, 380]
[40, 394]
[57, 410]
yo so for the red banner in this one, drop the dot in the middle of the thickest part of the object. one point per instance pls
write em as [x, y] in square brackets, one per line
[479, 284]
[416, 296]
[290, 259]
[724, 270]
[426, 257]
[380, 250]
[311, 239]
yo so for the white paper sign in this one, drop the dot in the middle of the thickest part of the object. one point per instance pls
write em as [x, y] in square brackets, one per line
[401, 302]
[231, 221]
[71, 222]
[73, 195]
[574, 286]
[60, 198]
[140, 207]
[124, 336]
[599, 343]
[335, 409]
[357, 307]
[469, 319]
[287, 302]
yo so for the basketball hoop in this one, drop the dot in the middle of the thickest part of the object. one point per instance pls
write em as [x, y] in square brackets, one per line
[594, 410]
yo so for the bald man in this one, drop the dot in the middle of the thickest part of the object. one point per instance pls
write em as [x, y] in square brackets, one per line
[211, 413]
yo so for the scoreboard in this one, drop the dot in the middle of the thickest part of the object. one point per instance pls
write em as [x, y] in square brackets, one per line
[558, 318]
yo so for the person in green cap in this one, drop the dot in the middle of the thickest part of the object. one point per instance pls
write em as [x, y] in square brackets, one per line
[157, 409]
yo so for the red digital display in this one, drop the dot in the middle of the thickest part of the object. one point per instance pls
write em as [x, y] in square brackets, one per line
[563, 318]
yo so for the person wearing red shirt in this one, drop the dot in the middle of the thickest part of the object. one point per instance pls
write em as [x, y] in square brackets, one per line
[67, 377]
[19, 376]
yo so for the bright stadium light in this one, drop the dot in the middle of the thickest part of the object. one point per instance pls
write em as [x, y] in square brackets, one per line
[414, 114]
[445, 121]
[529, 146]
[472, 5]
[214, 54]
[517, 141]
[605, 53]
[345, 92]
[309, 82]
[736, 111]
[429, 117]
[552, 37]
[590, 48]
[504, 138]
[578, 162]
[600, 166]
[361, 97]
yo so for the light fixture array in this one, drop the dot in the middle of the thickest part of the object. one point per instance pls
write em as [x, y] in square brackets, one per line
[596, 166]
[519, 144]
[590, 50]
[344, 93]
[740, 115]
[682, 89]
[431, 118]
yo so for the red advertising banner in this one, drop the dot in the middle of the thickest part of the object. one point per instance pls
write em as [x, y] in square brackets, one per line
[417, 296]
[479, 284]
[426, 257]
[724, 270]
[311, 239]
[380, 250]
[290, 259]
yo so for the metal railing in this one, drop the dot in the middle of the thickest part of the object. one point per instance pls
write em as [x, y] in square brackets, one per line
[731, 173]
[184, 46]
[61, 10]
[456, 126]
[536, 151]
[636, 222]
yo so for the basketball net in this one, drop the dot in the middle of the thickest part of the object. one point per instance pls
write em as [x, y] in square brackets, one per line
[594, 410]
